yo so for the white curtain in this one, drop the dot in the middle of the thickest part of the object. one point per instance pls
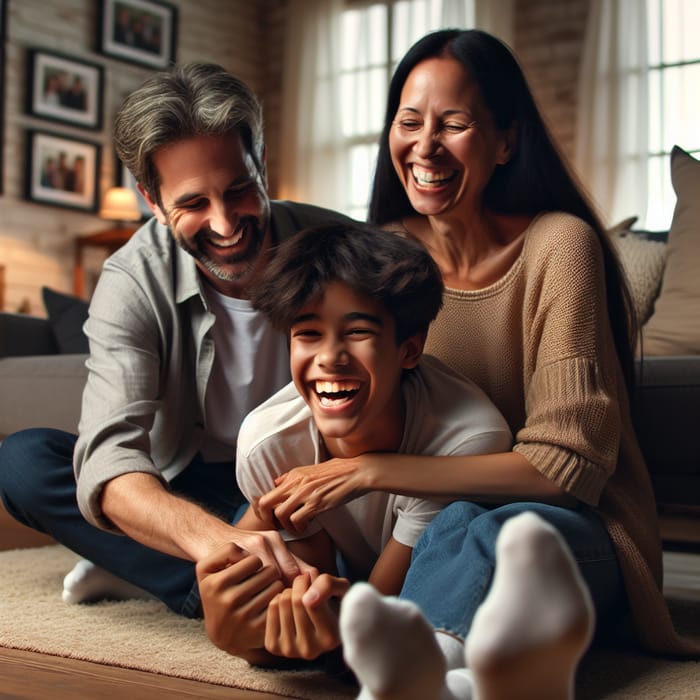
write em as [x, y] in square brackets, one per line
[311, 157]
[314, 163]
[613, 107]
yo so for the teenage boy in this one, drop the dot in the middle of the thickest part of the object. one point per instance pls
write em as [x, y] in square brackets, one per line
[355, 304]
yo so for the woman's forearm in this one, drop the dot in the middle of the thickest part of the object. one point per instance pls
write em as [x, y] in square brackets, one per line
[492, 478]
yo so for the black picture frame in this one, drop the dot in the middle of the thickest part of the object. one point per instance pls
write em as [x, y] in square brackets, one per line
[64, 89]
[124, 178]
[3, 19]
[47, 182]
[138, 31]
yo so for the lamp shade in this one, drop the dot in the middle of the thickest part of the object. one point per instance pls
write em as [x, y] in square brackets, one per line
[120, 204]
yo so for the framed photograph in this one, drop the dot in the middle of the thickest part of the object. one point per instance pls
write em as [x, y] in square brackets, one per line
[126, 179]
[64, 89]
[62, 171]
[139, 31]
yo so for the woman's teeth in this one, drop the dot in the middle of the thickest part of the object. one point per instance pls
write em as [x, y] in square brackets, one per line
[431, 177]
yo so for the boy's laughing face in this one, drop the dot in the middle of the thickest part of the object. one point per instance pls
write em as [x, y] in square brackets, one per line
[347, 366]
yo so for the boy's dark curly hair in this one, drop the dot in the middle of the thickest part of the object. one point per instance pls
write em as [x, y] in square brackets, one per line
[398, 273]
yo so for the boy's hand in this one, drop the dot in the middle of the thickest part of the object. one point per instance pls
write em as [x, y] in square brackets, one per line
[304, 492]
[302, 621]
[235, 589]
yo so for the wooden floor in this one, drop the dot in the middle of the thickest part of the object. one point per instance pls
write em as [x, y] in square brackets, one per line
[31, 676]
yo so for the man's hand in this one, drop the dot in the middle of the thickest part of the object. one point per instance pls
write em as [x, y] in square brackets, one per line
[235, 589]
[302, 621]
[272, 551]
[304, 492]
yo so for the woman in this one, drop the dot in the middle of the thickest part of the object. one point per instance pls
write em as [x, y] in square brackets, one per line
[536, 312]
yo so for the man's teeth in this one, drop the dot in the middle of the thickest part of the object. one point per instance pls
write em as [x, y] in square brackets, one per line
[431, 177]
[332, 393]
[227, 242]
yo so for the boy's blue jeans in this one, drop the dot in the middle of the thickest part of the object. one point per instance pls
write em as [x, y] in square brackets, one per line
[37, 487]
[453, 561]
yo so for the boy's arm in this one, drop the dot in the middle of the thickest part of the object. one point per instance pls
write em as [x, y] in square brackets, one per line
[389, 571]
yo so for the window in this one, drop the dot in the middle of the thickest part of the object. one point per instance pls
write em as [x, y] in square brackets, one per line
[374, 37]
[674, 97]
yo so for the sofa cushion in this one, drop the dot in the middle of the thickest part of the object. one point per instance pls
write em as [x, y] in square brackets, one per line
[67, 314]
[674, 327]
[642, 260]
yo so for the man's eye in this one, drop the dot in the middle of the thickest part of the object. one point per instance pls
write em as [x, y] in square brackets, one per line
[360, 332]
[237, 193]
[193, 205]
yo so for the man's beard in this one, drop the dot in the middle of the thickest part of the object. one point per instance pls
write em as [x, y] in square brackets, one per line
[217, 267]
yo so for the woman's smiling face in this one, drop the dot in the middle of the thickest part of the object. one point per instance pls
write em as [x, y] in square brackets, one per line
[443, 143]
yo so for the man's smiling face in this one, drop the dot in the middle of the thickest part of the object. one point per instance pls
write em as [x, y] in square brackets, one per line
[347, 366]
[214, 200]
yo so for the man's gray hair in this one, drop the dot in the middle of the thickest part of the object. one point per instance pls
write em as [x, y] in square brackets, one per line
[195, 99]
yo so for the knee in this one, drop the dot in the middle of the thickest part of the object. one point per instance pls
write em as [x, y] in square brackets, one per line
[25, 458]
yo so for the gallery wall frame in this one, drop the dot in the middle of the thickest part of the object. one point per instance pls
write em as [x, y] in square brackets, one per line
[61, 170]
[64, 89]
[124, 178]
[138, 31]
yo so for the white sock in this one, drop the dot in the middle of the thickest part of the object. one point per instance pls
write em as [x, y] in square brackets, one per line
[452, 649]
[534, 626]
[86, 583]
[390, 646]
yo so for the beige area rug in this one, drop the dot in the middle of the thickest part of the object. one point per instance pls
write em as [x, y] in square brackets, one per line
[136, 634]
[145, 635]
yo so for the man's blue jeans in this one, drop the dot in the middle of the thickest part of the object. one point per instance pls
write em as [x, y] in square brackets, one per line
[37, 487]
[453, 561]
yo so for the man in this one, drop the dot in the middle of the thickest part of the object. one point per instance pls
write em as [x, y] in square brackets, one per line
[177, 356]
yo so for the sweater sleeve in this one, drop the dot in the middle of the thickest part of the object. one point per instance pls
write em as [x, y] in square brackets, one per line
[572, 383]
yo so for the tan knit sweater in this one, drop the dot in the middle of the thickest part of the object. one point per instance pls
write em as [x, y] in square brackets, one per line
[538, 342]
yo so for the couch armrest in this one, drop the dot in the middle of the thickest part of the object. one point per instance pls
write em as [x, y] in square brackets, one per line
[665, 411]
[43, 391]
[25, 335]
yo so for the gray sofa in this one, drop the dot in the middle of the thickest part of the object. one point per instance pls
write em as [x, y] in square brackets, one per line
[41, 387]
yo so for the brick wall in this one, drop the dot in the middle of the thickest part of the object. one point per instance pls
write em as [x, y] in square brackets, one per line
[36, 240]
[548, 42]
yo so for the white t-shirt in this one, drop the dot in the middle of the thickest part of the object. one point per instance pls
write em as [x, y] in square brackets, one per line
[251, 362]
[445, 415]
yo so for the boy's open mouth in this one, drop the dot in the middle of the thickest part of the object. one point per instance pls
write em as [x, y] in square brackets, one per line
[334, 393]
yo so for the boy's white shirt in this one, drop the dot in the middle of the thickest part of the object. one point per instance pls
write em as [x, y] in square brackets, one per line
[445, 415]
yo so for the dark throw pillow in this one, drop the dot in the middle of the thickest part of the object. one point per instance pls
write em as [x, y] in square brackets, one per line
[66, 316]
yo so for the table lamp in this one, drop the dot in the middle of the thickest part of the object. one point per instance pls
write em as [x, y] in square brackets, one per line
[120, 204]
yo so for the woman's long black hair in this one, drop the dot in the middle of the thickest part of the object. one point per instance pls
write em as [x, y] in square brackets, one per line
[535, 179]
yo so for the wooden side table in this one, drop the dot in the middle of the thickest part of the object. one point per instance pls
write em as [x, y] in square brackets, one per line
[109, 240]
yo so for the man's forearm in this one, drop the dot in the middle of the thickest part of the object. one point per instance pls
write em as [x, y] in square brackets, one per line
[142, 508]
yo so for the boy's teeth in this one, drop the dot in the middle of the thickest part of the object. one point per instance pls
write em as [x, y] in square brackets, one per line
[325, 387]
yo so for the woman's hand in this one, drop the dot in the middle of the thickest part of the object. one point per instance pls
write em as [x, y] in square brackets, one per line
[302, 621]
[304, 492]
